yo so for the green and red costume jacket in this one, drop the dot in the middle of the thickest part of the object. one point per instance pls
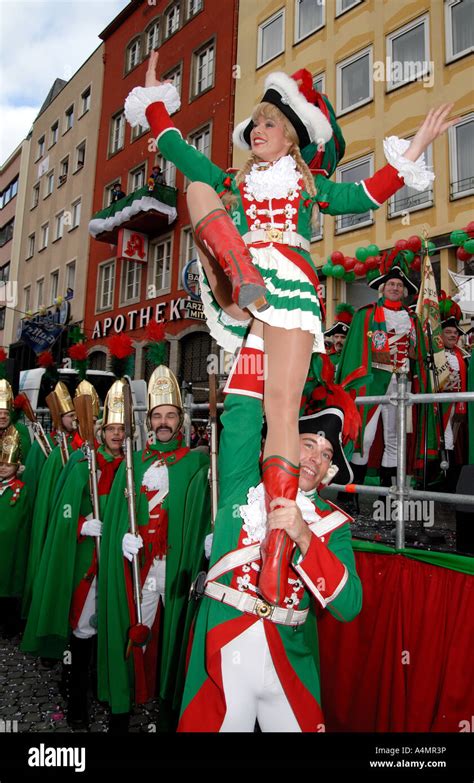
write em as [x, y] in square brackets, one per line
[34, 464]
[68, 562]
[326, 577]
[176, 527]
[458, 381]
[290, 214]
[49, 480]
[335, 357]
[15, 511]
[368, 348]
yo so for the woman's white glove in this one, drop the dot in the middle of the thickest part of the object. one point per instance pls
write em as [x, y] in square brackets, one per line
[92, 527]
[131, 545]
[208, 545]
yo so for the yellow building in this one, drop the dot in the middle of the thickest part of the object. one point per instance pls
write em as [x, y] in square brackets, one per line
[383, 64]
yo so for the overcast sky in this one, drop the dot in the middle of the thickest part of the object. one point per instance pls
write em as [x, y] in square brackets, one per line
[41, 40]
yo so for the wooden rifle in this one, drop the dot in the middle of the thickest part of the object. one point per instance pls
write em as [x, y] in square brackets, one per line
[84, 413]
[53, 405]
[38, 431]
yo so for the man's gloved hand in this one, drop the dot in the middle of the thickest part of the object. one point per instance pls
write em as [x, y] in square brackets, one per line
[208, 545]
[91, 527]
[131, 545]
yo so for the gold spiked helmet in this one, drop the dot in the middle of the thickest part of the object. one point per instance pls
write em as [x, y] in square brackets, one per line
[6, 396]
[113, 406]
[10, 447]
[64, 398]
[85, 387]
[163, 389]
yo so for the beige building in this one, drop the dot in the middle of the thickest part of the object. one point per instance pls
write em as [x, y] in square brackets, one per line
[13, 174]
[383, 65]
[59, 190]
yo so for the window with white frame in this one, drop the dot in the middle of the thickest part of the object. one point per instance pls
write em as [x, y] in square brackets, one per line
[168, 170]
[408, 53]
[161, 279]
[27, 299]
[49, 184]
[152, 37]
[44, 235]
[31, 246]
[202, 140]
[461, 153]
[63, 171]
[133, 54]
[355, 171]
[117, 132]
[54, 285]
[36, 195]
[86, 100]
[188, 251]
[76, 213]
[204, 69]
[319, 82]
[40, 150]
[354, 81]
[136, 132]
[80, 155]
[136, 178]
[309, 17]
[459, 27]
[317, 228]
[193, 7]
[39, 292]
[271, 38]
[70, 276]
[68, 118]
[172, 20]
[106, 285]
[408, 199]
[59, 230]
[131, 277]
[54, 133]
[344, 5]
[175, 77]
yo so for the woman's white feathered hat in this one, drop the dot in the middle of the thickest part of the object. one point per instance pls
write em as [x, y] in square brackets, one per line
[289, 96]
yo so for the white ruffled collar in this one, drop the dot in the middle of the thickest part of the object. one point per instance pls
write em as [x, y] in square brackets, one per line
[276, 180]
[254, 514]
[156, 477]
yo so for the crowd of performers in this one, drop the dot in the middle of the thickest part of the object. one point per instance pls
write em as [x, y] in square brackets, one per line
[110, 595]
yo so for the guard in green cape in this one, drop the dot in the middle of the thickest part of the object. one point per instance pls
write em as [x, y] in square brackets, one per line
[7, 416]
[454, 413]
[339, 331]
[173, 518]
[64, 600]
[251, 660]
[14, 530]
[384, 339]
[49, 477]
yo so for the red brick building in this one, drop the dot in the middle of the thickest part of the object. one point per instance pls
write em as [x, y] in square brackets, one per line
[197, 46]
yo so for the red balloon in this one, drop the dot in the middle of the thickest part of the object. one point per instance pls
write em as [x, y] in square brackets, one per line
[360, 269]
[414, 243]
[371, 262]
[337, 257]
[401, 244]
[462, 255]
[416, 264]
[470, 228]
[349, 263]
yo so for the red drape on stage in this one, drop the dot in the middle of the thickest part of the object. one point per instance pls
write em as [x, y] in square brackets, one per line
[406, 662]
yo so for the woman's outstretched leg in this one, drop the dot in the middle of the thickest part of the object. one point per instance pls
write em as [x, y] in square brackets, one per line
[288, 354]
[216, 233]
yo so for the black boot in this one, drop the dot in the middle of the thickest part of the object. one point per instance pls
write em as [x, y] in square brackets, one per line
[118, 723]
[78, 710]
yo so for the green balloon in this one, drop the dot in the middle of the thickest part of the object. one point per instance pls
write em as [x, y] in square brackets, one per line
[372, 274]
[338, 271]
[327, 270]
[469, 246]
[409, 256]
[458, 237]
[373, 250]
[362, 253]
[432, 249]
[349, 277]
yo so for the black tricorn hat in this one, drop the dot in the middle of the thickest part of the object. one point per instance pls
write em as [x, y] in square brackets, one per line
[329, 424]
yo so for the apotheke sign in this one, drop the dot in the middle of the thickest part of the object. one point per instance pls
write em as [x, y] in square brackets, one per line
[174, 310]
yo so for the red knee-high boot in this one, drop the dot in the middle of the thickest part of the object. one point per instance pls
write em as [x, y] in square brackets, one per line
[280, 478]
[217, 232]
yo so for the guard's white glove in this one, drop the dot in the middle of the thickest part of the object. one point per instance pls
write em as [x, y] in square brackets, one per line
[208, 545]
[91, 527]
[131, 545]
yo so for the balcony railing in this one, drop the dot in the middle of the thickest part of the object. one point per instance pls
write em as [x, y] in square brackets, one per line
[414, 201]
[462, 187]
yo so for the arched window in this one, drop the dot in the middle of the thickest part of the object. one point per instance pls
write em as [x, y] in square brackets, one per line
[98, 360]
[133, 54]
[195, 351]
[152, 37]
[172, 19]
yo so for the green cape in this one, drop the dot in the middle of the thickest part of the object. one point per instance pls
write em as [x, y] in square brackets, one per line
[14, 535]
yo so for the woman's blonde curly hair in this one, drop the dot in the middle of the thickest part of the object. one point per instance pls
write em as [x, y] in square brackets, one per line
[271, 112]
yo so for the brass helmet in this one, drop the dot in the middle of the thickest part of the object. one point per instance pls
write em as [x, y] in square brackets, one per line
[163, 389]
[114, 412]
[10, 447]
[64, 398]
[6, 396]
[87, 388]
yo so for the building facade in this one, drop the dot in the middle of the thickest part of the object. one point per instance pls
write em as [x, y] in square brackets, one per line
[383, 66]
[197, 45]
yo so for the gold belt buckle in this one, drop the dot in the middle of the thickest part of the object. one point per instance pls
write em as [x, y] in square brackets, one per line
[262, 609]
[274, 234]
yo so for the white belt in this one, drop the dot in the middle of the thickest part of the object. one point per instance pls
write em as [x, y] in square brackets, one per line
[246, 603]
[276, 235]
